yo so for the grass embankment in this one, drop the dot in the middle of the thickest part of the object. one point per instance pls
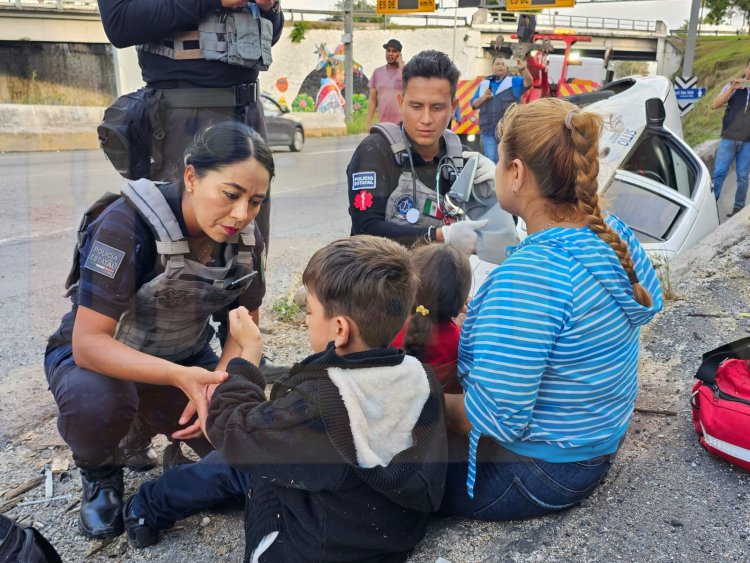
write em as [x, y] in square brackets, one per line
[357, 125]
[31, 91]
[717, 61]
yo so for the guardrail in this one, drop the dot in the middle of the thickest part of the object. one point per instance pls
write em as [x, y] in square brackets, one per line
[590, 22]
[87, 6]
[426, 19]
[430, 18]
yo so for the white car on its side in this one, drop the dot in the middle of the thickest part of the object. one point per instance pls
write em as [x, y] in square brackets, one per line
[649, 177]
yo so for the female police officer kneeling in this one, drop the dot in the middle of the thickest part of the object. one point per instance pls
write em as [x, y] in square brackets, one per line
[152, 268]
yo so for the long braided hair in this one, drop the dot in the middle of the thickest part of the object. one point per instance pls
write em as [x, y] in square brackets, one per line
[559, 144]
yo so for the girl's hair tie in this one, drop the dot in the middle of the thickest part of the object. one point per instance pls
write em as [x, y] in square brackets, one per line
[422, 310]
[569, 118]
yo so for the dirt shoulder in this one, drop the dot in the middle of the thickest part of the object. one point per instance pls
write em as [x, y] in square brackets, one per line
[665, 499]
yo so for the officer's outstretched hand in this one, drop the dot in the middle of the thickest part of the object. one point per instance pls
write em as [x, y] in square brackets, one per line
[194, 382]
[485, 167]
[463, 235]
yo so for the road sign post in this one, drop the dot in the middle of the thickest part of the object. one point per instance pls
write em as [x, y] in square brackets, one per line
[687, 92]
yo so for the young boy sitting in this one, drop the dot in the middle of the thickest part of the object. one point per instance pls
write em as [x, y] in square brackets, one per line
[345, 461]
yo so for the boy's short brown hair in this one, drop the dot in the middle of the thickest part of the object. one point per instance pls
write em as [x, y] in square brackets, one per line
[367, 279]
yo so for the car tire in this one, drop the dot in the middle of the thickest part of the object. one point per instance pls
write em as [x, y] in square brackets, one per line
[298, 140]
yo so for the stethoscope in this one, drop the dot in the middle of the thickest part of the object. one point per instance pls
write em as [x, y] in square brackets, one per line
[446, 162]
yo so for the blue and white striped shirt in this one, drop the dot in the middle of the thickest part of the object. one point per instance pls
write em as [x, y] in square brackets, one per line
[549, 348]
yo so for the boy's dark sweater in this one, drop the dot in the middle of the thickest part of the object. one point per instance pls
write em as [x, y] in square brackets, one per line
[299, 451]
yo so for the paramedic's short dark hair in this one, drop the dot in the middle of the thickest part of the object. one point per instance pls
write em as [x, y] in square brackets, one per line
[431, 64]
[367, 279]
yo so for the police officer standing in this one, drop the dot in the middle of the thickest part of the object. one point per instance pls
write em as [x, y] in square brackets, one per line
[207, 72]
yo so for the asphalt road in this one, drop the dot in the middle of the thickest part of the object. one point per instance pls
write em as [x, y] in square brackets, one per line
[42, 196]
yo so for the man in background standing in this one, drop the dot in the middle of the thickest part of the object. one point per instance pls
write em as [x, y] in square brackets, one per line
[385, 85]
[735, 137]
[494, 95]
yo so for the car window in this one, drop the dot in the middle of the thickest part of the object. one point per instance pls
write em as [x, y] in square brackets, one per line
[650, 215]
[270, 109]
[659, 159]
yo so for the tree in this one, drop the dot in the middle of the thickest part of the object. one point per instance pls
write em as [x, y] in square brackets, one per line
[721, 9]
[359, 5]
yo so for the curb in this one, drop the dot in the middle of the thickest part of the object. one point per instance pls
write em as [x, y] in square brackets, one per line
[27, 128]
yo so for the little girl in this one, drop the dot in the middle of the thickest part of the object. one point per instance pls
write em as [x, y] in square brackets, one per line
[430, 334]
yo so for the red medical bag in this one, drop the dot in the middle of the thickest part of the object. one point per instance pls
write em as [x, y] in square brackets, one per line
[721, 402]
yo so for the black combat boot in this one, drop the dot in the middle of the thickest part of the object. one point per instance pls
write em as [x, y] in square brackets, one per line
[101, 503]
[272, 372]
[136, 451]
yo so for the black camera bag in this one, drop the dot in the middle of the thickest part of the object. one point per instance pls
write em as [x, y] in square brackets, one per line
[24, 545]
[131, 133]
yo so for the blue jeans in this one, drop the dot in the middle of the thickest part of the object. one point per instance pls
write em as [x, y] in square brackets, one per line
[188, 489]
[514, 487]
[727, 152]
[489, 145]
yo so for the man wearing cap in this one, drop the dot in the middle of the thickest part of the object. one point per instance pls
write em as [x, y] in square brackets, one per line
[385, 85]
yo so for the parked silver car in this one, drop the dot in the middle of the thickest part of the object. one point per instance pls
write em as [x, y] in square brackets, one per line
[283, 129]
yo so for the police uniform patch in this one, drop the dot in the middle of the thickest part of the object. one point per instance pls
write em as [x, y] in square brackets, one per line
[364, 181]
[104, 259]
[363, 200]
[402, 206]
[431, 209]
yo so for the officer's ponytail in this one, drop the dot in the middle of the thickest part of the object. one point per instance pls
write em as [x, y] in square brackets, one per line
[223, 144]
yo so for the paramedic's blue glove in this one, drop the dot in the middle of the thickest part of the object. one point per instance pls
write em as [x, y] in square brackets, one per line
[463, 235]
[485, 167]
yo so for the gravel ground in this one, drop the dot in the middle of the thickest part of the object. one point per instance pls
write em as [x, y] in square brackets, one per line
[664, 500]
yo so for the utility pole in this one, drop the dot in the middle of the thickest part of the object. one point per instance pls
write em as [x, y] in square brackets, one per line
[348, 41]
[455, 30]
[687, 61]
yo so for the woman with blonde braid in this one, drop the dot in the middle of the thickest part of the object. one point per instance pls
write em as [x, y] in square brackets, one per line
[549, 351]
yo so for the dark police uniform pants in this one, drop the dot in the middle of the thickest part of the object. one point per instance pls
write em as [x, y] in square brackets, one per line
[96, 411]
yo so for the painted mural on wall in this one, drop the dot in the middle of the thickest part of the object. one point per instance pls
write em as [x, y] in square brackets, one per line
[323, 89]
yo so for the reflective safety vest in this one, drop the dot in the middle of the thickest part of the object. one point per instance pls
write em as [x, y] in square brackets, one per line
[170, 315]
[403, 197]
[493, 239]
[241, 38]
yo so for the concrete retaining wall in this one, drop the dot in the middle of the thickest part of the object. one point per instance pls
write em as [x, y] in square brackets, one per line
[52, 128]
[48, 128]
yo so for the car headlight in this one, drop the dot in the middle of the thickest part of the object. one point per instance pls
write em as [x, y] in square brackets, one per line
[471, 138]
